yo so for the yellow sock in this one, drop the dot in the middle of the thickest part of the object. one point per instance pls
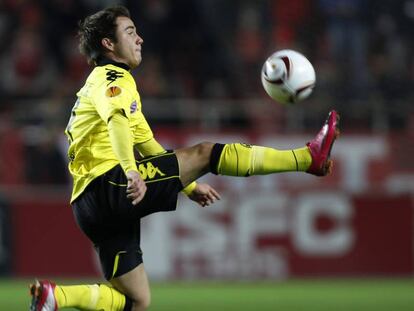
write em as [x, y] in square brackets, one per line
[246, 160]
[90, 297]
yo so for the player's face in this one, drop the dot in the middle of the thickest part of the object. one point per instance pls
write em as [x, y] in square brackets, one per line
[129, 44]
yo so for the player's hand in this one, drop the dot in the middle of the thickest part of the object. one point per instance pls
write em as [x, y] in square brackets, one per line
[136, 187]
[204, 195]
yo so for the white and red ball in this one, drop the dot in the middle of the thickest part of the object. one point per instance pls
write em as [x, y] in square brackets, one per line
[288, 77]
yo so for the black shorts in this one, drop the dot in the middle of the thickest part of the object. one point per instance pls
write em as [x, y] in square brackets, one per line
[112, 223]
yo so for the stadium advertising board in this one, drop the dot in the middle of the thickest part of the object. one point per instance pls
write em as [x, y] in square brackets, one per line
[278, 236]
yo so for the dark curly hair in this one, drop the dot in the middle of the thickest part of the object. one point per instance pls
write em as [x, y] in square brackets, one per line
[96, 27]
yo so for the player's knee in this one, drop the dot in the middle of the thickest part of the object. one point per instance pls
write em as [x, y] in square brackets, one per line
[141, 298]
[141, 302]
[204, 150]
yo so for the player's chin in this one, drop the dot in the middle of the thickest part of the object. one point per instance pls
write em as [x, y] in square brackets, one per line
[135, 63]
[138, 59]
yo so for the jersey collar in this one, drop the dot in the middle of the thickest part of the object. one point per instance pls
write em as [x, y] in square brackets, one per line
[107, 61]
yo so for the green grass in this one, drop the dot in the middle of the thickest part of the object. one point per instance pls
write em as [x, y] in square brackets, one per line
[309, 295]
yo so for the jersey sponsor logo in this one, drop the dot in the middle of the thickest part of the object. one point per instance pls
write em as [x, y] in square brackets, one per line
[133, 106]
[113, 91]
[149, 171]
[112, 75]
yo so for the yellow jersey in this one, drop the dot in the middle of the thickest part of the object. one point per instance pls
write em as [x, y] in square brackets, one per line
[109, 89]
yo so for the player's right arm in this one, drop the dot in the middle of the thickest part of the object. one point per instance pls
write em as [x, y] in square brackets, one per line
[121, 141]
[112, 101]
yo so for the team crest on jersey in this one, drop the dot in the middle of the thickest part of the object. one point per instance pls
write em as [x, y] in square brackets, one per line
[113, 91]
[133, 106]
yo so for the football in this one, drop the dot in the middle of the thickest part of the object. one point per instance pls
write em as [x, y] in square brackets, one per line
[288, 77]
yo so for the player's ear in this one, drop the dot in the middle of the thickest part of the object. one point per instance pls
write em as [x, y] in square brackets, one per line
[108, 44]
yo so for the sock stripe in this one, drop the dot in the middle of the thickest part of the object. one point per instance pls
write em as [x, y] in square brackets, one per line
[297, 165]
[257, 159]
[94, 296]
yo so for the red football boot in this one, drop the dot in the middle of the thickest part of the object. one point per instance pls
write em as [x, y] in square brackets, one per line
[43, 296]
[320, 147]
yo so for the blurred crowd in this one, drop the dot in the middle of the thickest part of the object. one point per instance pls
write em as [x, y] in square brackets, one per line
[213, 48]
[363, 52]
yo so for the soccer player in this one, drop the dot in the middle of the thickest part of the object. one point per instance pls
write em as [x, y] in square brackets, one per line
[113, 189]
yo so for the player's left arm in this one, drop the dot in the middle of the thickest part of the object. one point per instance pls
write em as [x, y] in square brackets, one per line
[203, 194]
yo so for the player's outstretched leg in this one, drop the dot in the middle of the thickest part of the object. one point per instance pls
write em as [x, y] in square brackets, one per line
[245, 160]
[47, 296]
